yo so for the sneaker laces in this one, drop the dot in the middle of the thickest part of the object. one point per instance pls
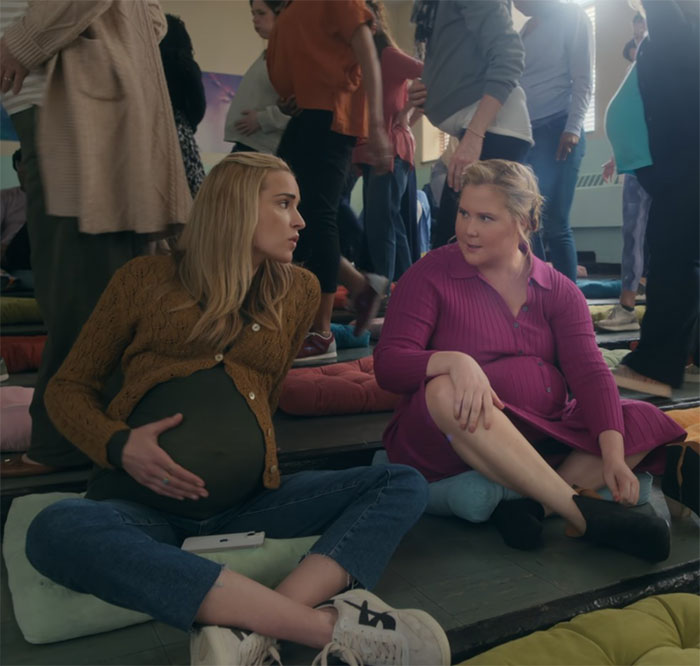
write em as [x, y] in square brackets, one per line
[259, 650]
[355, 647]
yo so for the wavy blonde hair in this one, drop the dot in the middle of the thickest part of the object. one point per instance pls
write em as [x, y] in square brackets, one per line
[214, 255]
[518, 185]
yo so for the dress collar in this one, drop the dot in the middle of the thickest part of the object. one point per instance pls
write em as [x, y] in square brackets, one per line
[459, 269]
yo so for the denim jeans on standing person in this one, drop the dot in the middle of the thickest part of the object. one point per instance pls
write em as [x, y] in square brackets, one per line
[557, 181]
[385, 228]
[129, 554]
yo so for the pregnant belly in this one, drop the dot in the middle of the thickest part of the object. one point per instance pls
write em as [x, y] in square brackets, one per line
[528, 383]
[219, 440]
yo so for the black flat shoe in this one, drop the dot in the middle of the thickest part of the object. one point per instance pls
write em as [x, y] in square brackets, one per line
[519, 522]
[680, 482]
[613, 525]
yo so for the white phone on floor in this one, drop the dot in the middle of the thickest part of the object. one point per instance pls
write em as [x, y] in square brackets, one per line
[216, 542]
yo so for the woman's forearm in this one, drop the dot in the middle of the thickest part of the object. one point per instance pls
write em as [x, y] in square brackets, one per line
[486, 113]
[612, 445]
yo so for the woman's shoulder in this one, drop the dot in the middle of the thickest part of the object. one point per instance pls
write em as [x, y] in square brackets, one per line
[304, 282]
[147, 269]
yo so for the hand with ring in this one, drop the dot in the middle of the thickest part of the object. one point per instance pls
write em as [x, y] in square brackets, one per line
[151, 466]
[12, 71]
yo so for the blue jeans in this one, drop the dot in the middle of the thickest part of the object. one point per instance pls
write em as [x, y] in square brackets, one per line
[557, 181]
[129, 555]
[385, 229]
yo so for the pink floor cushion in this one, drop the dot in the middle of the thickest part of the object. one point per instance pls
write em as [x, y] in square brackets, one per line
[22, 352]
[14, 416]
[340, 388]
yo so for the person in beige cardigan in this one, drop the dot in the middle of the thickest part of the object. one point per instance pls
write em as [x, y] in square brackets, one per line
[106, 173]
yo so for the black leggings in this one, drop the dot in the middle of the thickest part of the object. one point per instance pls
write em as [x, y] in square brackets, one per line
[320, 159]
[495, 146]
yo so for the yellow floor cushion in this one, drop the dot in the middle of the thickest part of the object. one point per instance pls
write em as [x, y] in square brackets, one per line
[660, 630]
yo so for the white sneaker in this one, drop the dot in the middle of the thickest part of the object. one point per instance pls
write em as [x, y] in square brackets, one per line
[692, 373]
[4, 374]
[619, 319]
[221, 646]
[368, 631]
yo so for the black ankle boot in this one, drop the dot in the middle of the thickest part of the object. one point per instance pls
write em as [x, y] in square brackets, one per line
[680, 481]
[611, 524]
[519, 522]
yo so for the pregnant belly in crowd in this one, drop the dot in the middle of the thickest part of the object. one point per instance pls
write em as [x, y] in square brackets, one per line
[219, 440]
[528, 383]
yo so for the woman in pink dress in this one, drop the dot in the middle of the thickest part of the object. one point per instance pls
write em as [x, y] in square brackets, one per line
[486, 342]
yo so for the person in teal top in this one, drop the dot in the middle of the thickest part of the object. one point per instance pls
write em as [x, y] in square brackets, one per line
[627, 131]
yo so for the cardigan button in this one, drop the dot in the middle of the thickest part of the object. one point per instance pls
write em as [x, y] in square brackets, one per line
[525, 308]
[256, 327]
[218, 358]
[251, 395]
[273, 469]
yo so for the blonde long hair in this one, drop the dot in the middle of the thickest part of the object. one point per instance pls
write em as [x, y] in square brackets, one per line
[215, 252]
[518, 185]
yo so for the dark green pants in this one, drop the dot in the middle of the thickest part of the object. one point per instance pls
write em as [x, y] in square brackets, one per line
[71, 269]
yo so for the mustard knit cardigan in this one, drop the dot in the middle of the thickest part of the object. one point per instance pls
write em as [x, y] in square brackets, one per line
[133, 326]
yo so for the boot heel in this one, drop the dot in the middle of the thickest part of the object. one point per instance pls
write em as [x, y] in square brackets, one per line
[676, 509]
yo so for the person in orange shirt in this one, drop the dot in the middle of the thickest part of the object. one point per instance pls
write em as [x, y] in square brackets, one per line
[322, 61]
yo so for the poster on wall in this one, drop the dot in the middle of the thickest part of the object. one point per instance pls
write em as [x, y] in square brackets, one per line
[219, 90]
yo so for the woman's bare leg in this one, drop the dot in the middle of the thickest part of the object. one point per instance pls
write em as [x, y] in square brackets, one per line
[316, 579]
[502, 454]
[322, 320]
[237, 601]
[586, 470]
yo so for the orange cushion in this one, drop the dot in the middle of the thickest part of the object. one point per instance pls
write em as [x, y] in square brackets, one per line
[22, 352]
[688, 419]
[340, 388]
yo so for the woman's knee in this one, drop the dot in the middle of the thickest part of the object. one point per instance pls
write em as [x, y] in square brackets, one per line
[439, 398]
[51, 532]
[407, 485]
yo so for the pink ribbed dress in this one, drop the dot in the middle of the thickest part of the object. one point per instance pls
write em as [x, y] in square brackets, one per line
[533, 361]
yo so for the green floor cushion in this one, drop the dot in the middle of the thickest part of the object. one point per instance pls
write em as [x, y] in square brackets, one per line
[660, 630]
[14, 310]
[47, 612]
[599, 312]
[613, 357]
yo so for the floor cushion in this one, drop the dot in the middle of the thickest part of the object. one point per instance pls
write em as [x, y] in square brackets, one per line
[340, 388]
[48, 612]
[15, 310]
[22, 352]
[16, 423]
[659, 630]
[688, 419]
[599, 312]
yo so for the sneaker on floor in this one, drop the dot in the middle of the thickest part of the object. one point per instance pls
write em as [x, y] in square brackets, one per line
[692, 373]
[317, 348]
[221, 646]
[368, 631]
[619, 319]
[367, 302]
[4, 374]
[627, 378]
